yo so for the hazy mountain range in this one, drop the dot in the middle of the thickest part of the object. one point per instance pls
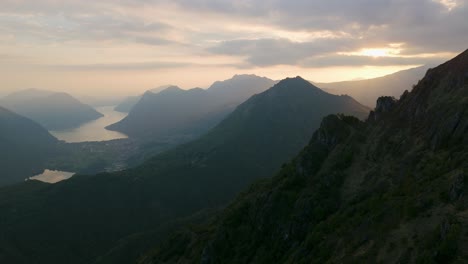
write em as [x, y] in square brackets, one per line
[367, 91]
[388, 190]
[105, 212]
[126, 105]
[179, 113]
[329, 185]
[53, 110]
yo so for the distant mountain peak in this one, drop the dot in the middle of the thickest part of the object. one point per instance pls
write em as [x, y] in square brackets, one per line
[297, 78]
[172, 88]
[53, 110]
[240, 80]
[168, 90]
[245, 76]
[297, 83]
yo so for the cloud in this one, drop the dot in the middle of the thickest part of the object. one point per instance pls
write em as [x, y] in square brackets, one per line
[353, 60]
[263, 33]
[67, 20]
[135, 66]
[131, 66]
[424, 25]
[262, 52]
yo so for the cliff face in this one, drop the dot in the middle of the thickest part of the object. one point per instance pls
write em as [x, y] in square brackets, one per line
[384, 105]
[389, 190]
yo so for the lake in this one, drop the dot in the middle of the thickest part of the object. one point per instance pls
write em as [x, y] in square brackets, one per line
[94, 130]
[52, 176]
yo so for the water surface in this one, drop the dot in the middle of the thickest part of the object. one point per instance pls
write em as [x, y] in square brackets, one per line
[51, 176]
[94, 130]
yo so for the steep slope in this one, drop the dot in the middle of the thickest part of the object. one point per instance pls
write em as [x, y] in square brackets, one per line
[255, 139]
[390, 190]
[98, 212]
[24, 146]
[172, 112]
[127, 104]
[367, 91]
[54, 111]
[239, 88]
[185, 114]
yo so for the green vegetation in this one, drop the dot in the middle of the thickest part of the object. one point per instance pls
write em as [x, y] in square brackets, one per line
[391, 190]
[110, 213]
[24, 147]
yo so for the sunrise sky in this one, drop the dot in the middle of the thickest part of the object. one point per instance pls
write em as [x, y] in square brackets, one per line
[125, 47]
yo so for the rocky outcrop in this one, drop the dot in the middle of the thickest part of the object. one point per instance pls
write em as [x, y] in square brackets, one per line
[332, 131]
[385, 104]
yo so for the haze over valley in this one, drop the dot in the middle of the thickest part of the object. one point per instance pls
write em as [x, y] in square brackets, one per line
[233, 131]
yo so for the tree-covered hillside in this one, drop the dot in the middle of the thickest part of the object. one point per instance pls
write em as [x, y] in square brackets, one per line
[389, 190]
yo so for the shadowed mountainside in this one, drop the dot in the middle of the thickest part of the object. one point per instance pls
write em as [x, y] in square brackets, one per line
[100, 212]
[389, 190]
[24, 145]
[53, 110]
[185, 114]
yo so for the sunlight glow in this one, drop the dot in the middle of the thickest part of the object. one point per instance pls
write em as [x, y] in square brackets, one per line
[449, 4]
[391, 50]
[376, 52]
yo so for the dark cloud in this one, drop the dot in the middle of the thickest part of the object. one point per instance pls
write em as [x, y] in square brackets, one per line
[78, 22]
[319, 53]
[262, 52]
[425, 26]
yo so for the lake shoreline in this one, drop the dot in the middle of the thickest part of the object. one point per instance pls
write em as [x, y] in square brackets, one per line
[95, 130]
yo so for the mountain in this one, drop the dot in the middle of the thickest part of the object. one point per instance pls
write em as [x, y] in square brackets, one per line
[239, 88]
[367, 91]
[91, 218]
[53, 110]
[24, 146]
[126, 105]
[185, 114]
[389, 190]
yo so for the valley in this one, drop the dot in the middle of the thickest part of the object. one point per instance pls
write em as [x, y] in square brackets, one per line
[233, 132]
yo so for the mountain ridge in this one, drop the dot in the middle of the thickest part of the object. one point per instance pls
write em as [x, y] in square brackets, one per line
[368, 90]
[53, 110]
[391, 189]
[24, 144]
[251, 143]
[174, 112]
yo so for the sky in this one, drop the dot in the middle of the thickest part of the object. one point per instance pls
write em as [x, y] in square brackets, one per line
[124, 47]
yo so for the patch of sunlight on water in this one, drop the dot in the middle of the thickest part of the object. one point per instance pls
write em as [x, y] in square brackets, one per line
[94, 130]
[52, 176]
